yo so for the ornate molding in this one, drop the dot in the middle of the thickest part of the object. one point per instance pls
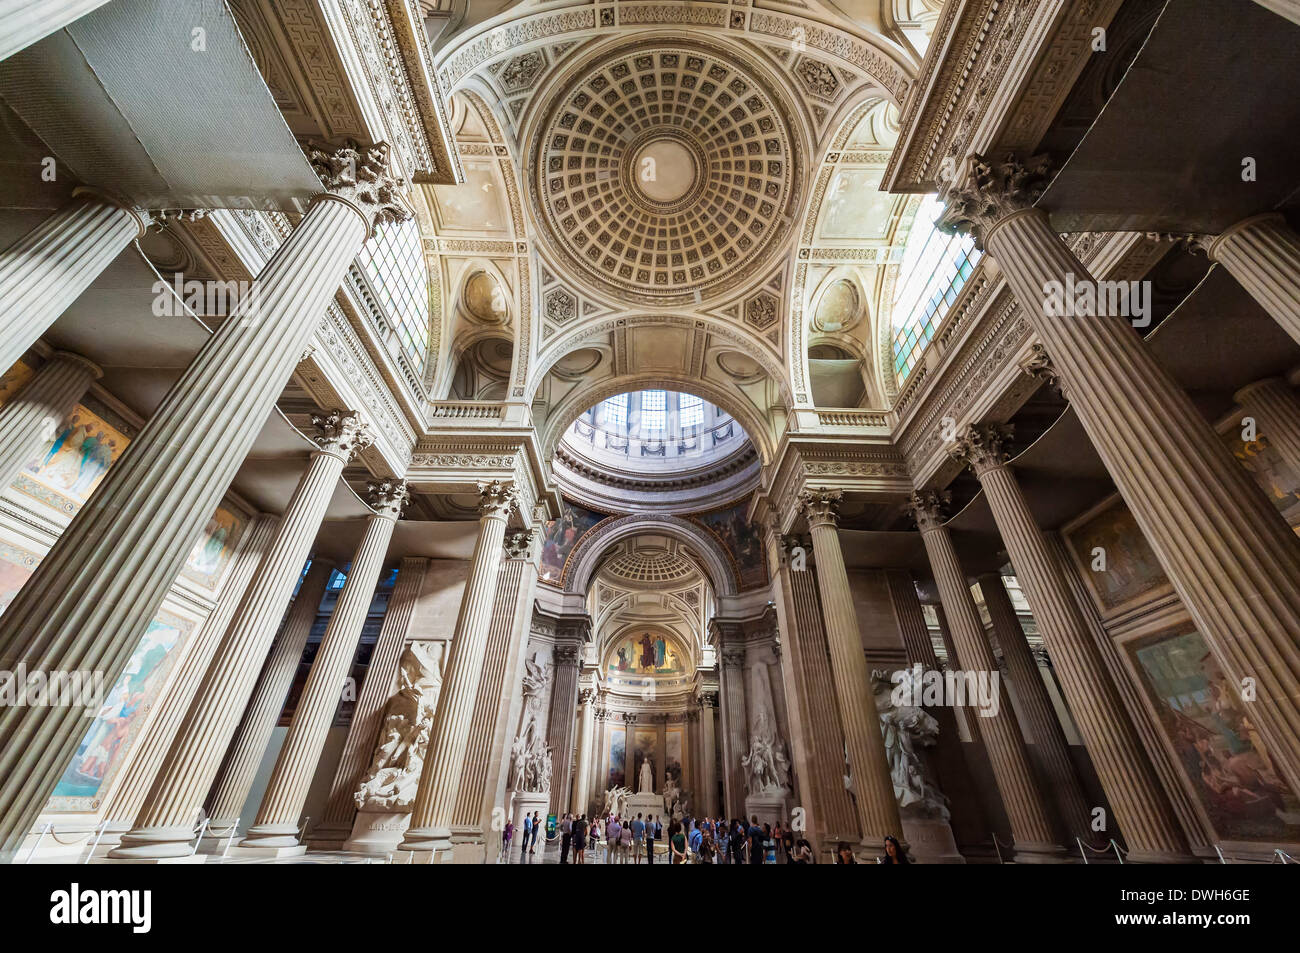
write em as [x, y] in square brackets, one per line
[928, 507]
[362, 177]
[983, 447]
[821, 507]
[388, 497]
[341, 433]
[991, 190]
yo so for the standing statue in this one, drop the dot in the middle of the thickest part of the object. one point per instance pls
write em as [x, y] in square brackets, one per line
[767, 767]
[530, 756]
[389, 785]
[906, 728]
[646, 780]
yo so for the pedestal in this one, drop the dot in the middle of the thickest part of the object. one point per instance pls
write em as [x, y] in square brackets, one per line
[771, 808]
[524, 803]
[930, 841]
[647, 804]
[374, 832]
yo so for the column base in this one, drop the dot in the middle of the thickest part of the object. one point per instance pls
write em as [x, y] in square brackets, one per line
[1159, 857]
[428, 840]
[1035, 853]
[188, 859]
[266, 852]
[272, 836]
[154, 843]
[329, 836]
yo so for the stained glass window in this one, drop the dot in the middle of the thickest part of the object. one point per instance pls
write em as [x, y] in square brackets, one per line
[394, 263]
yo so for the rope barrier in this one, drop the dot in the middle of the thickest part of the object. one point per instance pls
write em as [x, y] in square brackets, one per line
[997, 845]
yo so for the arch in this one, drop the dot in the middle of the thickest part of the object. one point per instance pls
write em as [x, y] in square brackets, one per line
[586, 555]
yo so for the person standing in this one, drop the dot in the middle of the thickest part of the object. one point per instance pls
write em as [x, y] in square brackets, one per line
[696, 839]
[737, 842]
[505, 839]
[625, 844]
[566, 837]
[803, 853]
[786, 838]
[893, 852]
[844, 854]
[755, 840]
[525, 837]
[677, 843]
[613, 838]
[537, 827]
[638, 838]
[580, 839]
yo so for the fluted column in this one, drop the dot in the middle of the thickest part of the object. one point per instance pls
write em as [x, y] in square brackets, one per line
[586, 730]
[104, 579]
[1228, 552]
[1142, 809]
[1031, 826]
[1276, 410]
[735, 722]
[49, 267]
[162, 828]
[1263, 253]
[367, 714]
[145, 763]
[244, 754]
[435, 800]
[276, 825]
[36, 411]
[1043, 726]
[873, 789]
[560, 723]
[23, 22]
[708, 756]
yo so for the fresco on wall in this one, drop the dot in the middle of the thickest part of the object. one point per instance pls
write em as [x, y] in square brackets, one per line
[73, 461]
[16, 567]
[122, 715]
[1132, 569]
[13, 380]
[617, 758]
[1279, 481]
[741, 540]
[673, 755]
[211, 554]
[561, 536]
[1216, 745]
[647, 653]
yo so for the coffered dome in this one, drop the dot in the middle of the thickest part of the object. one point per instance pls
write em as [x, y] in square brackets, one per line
[662, 173]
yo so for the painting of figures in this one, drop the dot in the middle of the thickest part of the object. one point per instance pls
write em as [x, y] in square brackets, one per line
[647, 653]
[73, 461]
[1279, 481]
[741, 541]
[213, 551]
[645, 742]
[561, 536]
[673, 755]
[1128, 565]
[16, 567]
[1217, 746]
[121, 715]
[617, 758]
[13, 380]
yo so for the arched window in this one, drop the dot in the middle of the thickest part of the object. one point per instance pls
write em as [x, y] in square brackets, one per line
[653, 406]
[934, 268]
[691, 409]
[616, 409]
[394, 264]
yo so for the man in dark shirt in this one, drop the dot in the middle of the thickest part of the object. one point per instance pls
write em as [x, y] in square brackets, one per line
[566, 835]
[755, 840]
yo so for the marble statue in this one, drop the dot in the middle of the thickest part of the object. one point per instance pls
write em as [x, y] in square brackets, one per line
[616, 801]
[530, 756]
[906, 729]
[390, 783]
[767, 766]
[646, 780]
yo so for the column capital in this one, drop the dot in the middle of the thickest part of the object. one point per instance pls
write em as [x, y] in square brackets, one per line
[567, 655]
[341, 433]
[982, 447]
[708, 700]
[992, 190]
[520, 545]
[1039, 364]
[927, 508]
[586, 696]
[821, 507]
[387, 497]
[362, 178]
[497, 499]
[733, 656]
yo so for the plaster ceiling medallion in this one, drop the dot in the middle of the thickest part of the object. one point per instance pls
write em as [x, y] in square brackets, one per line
[664, 173]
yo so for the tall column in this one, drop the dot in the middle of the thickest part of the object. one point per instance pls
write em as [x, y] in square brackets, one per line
[735, 722]
[23, 22]
[38, 409]
[1276, 410]
[381, 676]
[435, 799]
[276, 825]
[873, 788]
[708, 756]
[1141, 807]
[1229, 554]
[244, 754]
[162, 828]
[145, 763]
[1031, 826]
[103, 580]
[560, 722]
[1263, 253]
[1040, 720]
[49, 267]
[586, 742]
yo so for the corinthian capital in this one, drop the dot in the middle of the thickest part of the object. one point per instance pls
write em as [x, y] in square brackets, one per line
[387, 497]
[341, 432]
[363, 178]
[991, 190]
[983, 446]
[821, 507]
[497, 499]
[519, 544]
[1039, 364]
[927, 508]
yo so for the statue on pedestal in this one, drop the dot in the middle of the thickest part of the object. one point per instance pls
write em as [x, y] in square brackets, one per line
[530, 756]
[767, 767]
[646, 780]
[389, 785]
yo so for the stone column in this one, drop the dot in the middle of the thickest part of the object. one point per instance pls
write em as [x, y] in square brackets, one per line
[163, 826]
[363, 733]
[1041, 724]
[49, 267]
[276, 826]
[145, 763]
[36, 411]
[1263, 253]
[560, 723]
[735, 723]
[586, 732]
[873, 789]
[243, 757]
[156, 500]
[1228, 552]
[1283, 8]
[23, 22]
[1031, 826]
[708, 756]
[435, 799]
[1276, 410]
[1141, 807]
